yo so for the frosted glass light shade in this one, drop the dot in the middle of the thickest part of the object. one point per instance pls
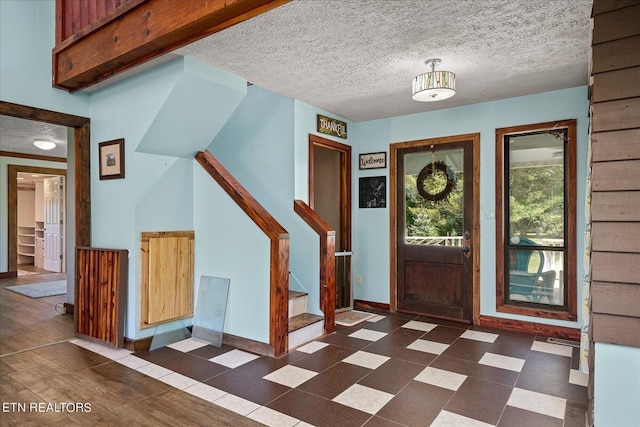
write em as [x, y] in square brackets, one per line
[433, 86]
[44, 145]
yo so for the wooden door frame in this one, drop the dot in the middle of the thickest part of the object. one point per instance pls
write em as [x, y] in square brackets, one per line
[82, 175]
[345, 184]
[393, 223]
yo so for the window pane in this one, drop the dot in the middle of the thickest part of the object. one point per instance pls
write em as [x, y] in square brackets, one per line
[536, 187]
[536, 276]
[429, 221]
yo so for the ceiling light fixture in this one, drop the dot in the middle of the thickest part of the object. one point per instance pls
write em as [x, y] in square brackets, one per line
[433, 85]
[44, 145]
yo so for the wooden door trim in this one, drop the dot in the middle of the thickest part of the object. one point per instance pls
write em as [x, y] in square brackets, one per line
[393, 220]
[345, 184]
[81, 162]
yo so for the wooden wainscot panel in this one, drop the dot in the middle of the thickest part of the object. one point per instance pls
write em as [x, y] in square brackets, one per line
[616, 24]
[616, 55]
[615, 206]
[615, 298]
[616, 176]
[614, 115]
[620, 330]
[615, 267]
[618, 84]
[616, 145]
[167, 260]
[616, 237]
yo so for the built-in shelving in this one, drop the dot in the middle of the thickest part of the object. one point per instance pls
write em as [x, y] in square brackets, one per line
[26, 244]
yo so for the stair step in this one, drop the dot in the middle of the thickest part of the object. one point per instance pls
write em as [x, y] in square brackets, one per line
[296, 294]
[302, 320]
[297, 303]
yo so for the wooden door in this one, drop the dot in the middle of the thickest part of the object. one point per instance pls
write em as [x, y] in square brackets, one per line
[435, 227]
[53, 223]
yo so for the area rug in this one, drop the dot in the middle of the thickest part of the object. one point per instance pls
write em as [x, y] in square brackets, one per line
[352, 318]
[40, 290]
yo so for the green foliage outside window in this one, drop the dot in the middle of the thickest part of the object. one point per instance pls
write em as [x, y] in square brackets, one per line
[426, 218]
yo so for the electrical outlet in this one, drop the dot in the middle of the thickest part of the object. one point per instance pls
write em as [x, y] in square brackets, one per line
[359, 280]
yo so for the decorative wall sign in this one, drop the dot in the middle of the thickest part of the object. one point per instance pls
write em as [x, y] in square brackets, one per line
[373, 192]
[111, 155]
[333, 127]
[373, 160]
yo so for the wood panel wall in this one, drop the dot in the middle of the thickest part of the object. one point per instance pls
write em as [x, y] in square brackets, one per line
[101, 289]
[615, 209]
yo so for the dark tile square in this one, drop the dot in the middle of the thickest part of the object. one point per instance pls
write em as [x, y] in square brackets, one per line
[265, 365]
[475, 370]
[401, 353]
[323, 358]
[418, 404]
[443, 322]
[254, 389]
[467, 349]
[334, 380]
[345, 341]
[155, 356]
[513, 345]
[516, 417]
[392, 376]
[444, 334]
[388, 324]
[479, 399]
[318, 411]
[211, 351]
[193, 367]
[376, 421]
[549, 374]
[575, 414]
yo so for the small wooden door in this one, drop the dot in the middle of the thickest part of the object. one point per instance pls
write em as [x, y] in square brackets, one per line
[434, 211]
[53, 223]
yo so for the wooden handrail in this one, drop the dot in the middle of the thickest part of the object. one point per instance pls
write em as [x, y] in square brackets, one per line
[327, 262]
[279, 263]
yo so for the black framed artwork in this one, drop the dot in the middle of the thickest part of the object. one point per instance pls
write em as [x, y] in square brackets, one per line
[373, 192]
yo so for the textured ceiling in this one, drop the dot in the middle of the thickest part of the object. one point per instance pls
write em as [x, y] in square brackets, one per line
[356, 58]
[17, 135]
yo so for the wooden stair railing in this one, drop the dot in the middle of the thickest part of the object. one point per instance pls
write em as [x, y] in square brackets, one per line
[279, 264]
[327, 262]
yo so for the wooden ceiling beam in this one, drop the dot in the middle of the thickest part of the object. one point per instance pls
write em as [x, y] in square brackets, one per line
[153, 28]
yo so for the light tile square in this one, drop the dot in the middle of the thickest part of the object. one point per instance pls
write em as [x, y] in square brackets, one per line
[419, 326]
[291, 376]
[154, 371]
[578, 378]
[376, 318]
[237, 404]
[205, 392]
[178, 381]
[449, 419]
[368, 334]
[428, 346]
[366, 360]
[312, 347]
[538, 402]
[116, 353]
[132, 362]
[502, 362]
[363, 398]
[547, 347]
[187, 345]
[269, 417]
[234, 358]
[441, 378]
[479, 336]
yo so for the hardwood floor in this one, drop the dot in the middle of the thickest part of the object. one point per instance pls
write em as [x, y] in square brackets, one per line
[46, 380]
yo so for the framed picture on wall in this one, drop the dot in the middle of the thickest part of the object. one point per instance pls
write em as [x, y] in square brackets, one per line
[111, 159]
[373, 160]
[373, 192]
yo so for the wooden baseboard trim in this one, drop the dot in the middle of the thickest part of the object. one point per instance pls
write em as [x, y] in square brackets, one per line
[9, 275]
[371, 305]
[68, 308]
[531, 327]
[232, 340]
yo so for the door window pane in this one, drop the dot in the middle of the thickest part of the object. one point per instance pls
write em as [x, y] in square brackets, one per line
[433, 197]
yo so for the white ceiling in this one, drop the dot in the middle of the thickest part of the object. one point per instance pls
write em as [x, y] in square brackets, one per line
[17, 135]
[357, 58]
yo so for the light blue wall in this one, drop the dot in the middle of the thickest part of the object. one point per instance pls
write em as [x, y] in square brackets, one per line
[27, 36]
[617, 385]
[371, 244]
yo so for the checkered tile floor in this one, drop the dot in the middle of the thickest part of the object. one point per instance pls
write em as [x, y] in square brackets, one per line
[393, 370]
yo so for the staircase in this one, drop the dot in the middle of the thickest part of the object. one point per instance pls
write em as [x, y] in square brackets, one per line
[303, 326]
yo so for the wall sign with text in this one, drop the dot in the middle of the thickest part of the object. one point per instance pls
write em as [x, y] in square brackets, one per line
[373, 160]
[333, 127]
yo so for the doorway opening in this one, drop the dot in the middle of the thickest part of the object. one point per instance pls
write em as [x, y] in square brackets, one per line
[330, 198]
[434, 213]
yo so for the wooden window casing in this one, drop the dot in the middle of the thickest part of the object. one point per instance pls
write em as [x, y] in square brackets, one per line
[503, 304]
